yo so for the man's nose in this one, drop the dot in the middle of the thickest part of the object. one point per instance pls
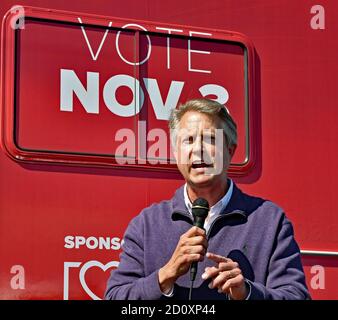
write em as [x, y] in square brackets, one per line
[197, 147]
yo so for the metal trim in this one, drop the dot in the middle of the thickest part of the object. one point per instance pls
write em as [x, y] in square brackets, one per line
[319, 253]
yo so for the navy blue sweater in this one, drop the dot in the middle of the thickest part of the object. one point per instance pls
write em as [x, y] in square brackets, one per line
[251, 231]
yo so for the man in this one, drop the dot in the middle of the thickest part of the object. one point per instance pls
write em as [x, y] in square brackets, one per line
[247, 250]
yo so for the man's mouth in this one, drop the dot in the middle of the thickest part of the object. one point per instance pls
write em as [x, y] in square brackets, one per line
[200, 164]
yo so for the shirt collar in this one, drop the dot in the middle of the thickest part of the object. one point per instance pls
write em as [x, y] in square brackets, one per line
[219, 206]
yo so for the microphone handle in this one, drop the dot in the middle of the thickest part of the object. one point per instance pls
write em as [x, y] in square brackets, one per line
[193, 267]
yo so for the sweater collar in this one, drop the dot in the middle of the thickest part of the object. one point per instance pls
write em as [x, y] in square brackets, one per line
[218, 207]
[236, 204]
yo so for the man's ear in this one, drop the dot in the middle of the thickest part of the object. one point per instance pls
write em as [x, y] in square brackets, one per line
[173, 143]
[232, 150]
[173, 151]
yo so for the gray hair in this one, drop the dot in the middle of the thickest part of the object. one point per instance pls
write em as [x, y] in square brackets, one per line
[208, 107]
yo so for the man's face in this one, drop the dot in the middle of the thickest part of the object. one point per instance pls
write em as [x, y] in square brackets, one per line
[202, 154]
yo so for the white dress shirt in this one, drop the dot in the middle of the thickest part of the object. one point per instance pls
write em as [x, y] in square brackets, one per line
[215, 210]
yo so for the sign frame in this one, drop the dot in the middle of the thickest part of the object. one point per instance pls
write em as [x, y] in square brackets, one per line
[8, 94]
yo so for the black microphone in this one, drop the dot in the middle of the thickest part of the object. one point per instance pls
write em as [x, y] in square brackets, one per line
[200, 210]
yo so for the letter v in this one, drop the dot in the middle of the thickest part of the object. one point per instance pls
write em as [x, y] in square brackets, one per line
[87, 41]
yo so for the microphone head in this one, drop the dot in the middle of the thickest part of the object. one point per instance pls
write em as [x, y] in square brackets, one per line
[200, 208]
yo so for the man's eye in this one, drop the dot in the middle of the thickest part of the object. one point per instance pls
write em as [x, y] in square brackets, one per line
[188, 140]
[209, 139]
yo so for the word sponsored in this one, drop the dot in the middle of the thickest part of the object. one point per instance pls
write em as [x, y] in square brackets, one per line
[92, 243]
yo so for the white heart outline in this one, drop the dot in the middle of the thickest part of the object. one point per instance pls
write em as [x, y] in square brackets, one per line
[88, 265]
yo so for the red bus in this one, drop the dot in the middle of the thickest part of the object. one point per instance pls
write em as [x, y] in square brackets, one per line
[86, 90]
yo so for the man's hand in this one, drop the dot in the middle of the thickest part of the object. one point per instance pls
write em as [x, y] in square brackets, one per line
[226, 276]
[191, 247]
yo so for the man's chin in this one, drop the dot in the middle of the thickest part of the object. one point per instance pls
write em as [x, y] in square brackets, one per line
[202, 181]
